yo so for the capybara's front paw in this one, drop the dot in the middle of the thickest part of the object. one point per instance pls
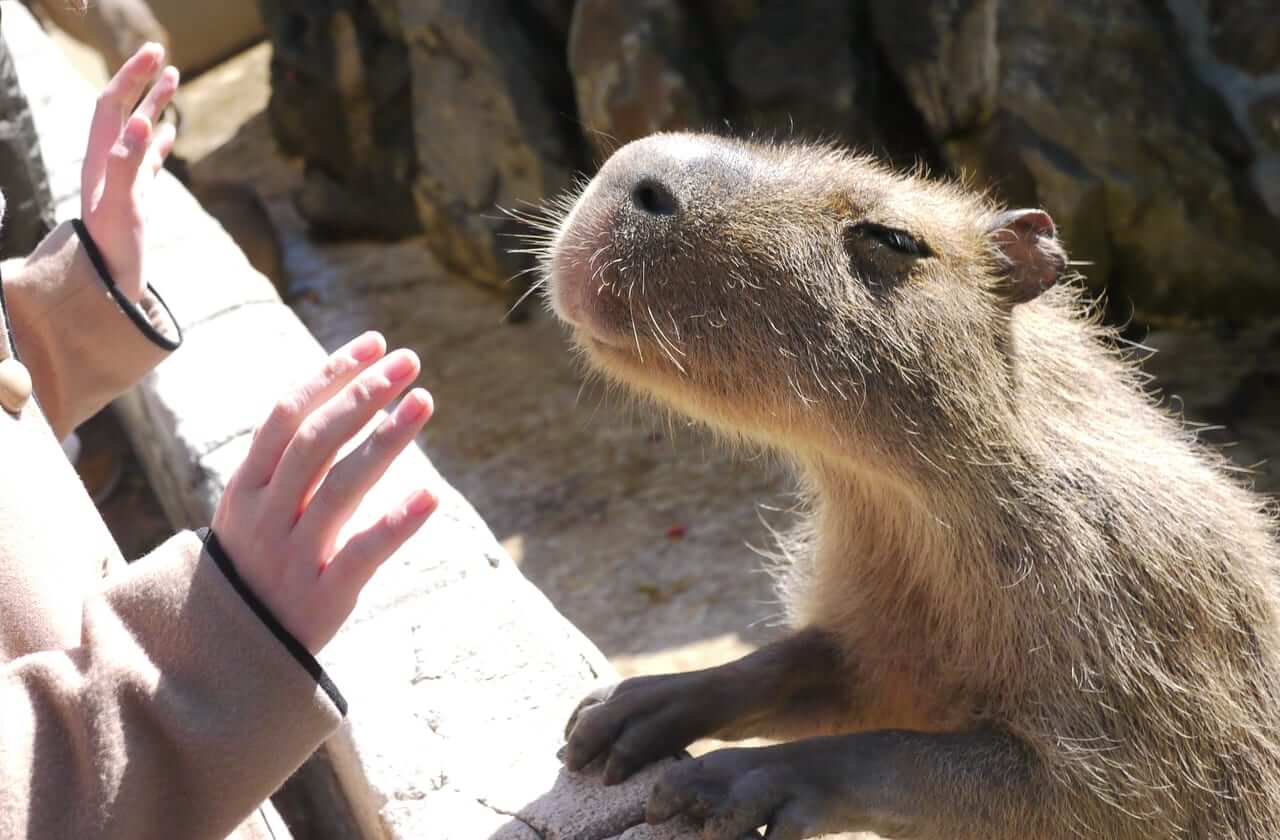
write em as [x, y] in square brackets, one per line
[639, 721]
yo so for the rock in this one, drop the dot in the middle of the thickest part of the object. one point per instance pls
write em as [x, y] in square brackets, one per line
[1264, 114]
[28, 213]
[946, 56]
[1245, 33]
[1142, 164]
[203, 34]
[114, 28]
[1265, 176]
[1227, 379]
[197, 35]
[792, 65]
[555, 14]
[810, 70]
[426, 117]
[1153, 148]
[490, 103]
[638, 69]
[341, 100]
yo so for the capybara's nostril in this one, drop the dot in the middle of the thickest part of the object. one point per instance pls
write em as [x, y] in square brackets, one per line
[651, 196]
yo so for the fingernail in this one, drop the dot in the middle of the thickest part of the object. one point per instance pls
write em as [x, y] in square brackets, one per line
[413, 406]
[404, 364]
[420, 503]
[366, 347]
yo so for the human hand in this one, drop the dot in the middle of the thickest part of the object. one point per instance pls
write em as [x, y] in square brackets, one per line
[123, 156]
[281, 514]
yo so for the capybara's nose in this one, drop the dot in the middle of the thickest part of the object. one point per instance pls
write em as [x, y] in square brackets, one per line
[669, 180]
[650, 195]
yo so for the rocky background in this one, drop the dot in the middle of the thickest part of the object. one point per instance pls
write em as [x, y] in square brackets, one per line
[28, 214]
[1150, 130]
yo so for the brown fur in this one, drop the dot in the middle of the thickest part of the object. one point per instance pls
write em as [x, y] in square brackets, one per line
[1004, 529]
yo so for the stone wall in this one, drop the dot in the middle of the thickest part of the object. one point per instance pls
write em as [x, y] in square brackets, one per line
[1150, 130]
[28, 213]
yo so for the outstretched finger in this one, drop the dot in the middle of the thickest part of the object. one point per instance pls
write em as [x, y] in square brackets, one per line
[160, 95]
[286, 417]
[346, 485]
[109, 116]
[123, 165]
[161, 146]
[356, 563]
[331, 427]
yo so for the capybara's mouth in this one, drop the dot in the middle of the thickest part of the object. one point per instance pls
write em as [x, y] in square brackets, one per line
[588, 286]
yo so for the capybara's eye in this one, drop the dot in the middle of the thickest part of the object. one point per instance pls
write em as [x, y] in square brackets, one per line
[898, 240]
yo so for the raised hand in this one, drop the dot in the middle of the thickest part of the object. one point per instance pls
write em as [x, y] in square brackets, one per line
[125, 152]
[282, 513]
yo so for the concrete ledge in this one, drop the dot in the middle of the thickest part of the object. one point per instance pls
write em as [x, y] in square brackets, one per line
[460, 674]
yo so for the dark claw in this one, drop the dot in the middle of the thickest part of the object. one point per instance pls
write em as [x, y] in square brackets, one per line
[596, 697]
[735, 791]
[640, 721]
[593, 728]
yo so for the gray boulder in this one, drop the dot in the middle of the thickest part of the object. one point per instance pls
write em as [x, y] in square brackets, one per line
[1121, 120]
[492, 126]
[638, 69]
[341, 100]
[29, 206]
[425, 117]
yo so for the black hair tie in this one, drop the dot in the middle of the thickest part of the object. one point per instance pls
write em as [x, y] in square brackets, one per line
[130, 308]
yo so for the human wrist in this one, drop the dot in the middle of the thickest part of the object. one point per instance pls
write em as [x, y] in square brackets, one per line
[217, 552]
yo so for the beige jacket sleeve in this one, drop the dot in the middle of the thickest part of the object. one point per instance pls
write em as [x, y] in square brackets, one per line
[182, 709]
[82, 348]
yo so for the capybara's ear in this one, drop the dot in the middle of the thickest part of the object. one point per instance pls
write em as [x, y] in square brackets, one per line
[1034, 259]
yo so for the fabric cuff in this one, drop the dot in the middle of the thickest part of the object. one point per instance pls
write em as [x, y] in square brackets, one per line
[69, 328]
[213, 547]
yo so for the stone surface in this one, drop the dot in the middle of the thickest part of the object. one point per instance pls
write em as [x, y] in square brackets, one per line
[556, 14]
[1264, 116]
[459, 673]
[115, 29]
[28, 213]
[202, 34]
[1142, 165]
[132, 511]
[490, 101]
[375, 96]
[946, 56]
[1244, 33]
[791, 67]
[1226, 382]
[197, 35]
[639, 68]
[341, 100]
